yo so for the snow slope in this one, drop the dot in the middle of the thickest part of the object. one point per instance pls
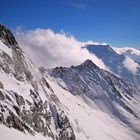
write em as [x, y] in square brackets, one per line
[12, 134]
[99, 104]
[88, 122]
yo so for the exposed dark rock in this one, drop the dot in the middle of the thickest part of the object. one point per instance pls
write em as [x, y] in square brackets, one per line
[1, 85]
[65, 127]
[2, 97]
[19, 99]
[7, 37]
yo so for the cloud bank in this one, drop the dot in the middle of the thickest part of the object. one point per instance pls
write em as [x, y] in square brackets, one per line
[131, 65]
[49, 49]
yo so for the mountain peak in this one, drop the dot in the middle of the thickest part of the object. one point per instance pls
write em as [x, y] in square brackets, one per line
[7, 37]
[89, 64]
[106, 49]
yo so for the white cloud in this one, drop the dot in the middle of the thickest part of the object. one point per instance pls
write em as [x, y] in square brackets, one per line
[50, 49]
[95, 43]
[131, 65]
[127, 50]
[78, 5]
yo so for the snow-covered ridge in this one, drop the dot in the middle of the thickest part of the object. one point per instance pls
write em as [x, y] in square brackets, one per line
[96, 84]
[7, 37]
[27, 102]
[82, 102]
[101, 91]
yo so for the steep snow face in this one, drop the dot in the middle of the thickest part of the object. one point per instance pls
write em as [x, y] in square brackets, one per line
[90, 122]
[89, 80]
[102, 92]
[117, 62]
[27, 102]
[5, 49]
[129, 52]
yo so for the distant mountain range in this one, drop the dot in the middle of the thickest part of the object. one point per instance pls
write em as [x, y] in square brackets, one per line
[122, 64]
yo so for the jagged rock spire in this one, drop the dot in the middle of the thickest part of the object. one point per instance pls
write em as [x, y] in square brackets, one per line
[7, 37]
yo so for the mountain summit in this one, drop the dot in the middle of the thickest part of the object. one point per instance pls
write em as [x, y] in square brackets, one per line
[7, 37]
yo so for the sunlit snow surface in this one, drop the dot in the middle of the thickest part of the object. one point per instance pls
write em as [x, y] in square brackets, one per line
[4, 48]
[89, 123]
[12, 134]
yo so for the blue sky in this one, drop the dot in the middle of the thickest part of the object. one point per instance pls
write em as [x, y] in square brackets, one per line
[116, 22]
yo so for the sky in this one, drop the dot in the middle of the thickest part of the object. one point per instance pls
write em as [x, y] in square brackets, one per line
[116, 22]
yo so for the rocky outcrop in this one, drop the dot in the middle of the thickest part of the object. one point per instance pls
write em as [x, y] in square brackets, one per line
[34, 116]
[7, 37]
[1, 85]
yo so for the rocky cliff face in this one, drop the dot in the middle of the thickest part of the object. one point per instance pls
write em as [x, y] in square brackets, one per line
[27, 102]
[7, 37]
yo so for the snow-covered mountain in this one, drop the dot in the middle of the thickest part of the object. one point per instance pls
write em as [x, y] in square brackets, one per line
[133, 53]
[101, 91]
[120, 64]
[27, 102]
[78, 103]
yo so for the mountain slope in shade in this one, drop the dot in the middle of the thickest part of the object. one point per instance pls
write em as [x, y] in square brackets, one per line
[127, 69]
[129, 52]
